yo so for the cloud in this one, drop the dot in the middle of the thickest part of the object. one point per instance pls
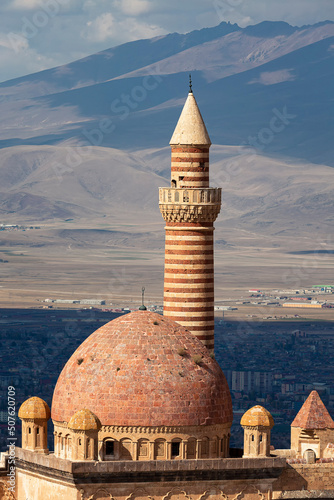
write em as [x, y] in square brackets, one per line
[107, 27]
[12, 41]
[273, 77]
[135, 29]
[25, 4]
[100, 29]
[133, 7]
[26, 60]
[296, 12]
[75, 28]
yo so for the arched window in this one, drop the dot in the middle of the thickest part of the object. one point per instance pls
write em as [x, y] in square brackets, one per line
[214, 446]
[143, 448]
[310, 456]
[191, 448]
[159, 449]
[38, 438]
[110, 448]
[176, 449]
[68, 449]
[205, 447]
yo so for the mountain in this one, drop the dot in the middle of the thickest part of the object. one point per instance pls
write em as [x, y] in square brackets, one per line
[111, 197]
[129, 97]
[84, 147]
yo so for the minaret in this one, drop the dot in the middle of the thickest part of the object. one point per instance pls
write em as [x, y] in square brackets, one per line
[190, 208]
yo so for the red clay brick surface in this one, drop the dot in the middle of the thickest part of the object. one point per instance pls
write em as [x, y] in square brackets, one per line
[313, 414]
[130, 372]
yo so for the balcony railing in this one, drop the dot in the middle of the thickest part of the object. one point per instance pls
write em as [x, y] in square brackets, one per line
[193, 196]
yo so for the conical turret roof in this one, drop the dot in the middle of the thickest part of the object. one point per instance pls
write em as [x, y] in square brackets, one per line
[313, 414]
[190, 129]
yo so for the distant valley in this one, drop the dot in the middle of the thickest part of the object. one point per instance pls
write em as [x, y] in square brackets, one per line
[84, 147]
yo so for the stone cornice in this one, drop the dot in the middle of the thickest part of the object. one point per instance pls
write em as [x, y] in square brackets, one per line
[189, 213]
[193, 430]
[150, 471]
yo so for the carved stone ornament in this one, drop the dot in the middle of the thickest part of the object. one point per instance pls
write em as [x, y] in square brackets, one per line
[96, 495]
[215, 490]
[139, 492]
[175, 491]
[249, 489]
[189, 213]
[4, 490]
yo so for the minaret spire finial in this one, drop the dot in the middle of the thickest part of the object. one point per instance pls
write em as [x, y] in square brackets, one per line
[190, 85]
[142, 307]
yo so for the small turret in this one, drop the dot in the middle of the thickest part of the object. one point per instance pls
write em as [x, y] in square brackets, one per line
[312, 429]
[35, 414]
[84, 426]
[257, 423]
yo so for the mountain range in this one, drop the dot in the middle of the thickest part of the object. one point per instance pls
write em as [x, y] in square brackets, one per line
[88, 141]
[239, 77]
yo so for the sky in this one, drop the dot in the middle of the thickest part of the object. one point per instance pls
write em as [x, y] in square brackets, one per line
[40, 34]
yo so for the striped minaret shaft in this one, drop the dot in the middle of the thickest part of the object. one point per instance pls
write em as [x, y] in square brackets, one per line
[190, 208]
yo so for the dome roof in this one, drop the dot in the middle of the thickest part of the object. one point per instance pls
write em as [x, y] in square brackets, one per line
[34, 408]
[84, 420]
[143, 369]
[257, 416]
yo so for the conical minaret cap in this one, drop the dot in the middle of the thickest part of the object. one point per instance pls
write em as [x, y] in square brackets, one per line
[190, 129]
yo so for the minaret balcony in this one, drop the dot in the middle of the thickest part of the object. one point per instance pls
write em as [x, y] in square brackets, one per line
[190, 196]
[190, 205]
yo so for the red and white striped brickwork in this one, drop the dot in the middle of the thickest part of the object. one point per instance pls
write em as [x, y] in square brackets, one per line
[189, 278]
[190, 166]
[189, 208]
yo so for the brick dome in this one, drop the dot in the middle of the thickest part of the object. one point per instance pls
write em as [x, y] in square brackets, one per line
[257, 416]
[84, 420]
[143, 369]
[34, 408]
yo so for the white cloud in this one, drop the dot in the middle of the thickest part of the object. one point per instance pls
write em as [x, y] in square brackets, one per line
[25, 4]
[135, 29]
[133, 7]
[106, 27]
[13, 42]
[273, 77]
[81, 27]
[100, 29]
[23, 61]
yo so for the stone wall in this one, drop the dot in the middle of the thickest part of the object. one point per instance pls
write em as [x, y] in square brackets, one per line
[42, 477]
[305, 477]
